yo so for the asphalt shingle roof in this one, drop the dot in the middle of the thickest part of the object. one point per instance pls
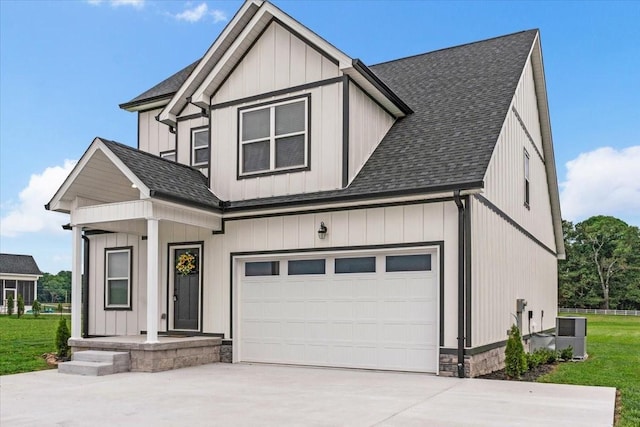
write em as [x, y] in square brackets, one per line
[460, 97]
[18, 264]
[165, 178]
[165, 88]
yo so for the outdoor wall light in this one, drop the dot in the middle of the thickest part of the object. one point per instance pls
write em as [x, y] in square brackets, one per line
[322, 231]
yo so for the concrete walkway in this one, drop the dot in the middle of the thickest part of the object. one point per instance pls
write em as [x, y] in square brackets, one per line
[266, 395]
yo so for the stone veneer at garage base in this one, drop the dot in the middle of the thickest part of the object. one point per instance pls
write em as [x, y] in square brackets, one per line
[169, 353]
[174, 353]
[474, 364]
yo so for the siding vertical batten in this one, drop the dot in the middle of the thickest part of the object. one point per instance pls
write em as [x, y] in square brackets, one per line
[461, 284]
[345, 131]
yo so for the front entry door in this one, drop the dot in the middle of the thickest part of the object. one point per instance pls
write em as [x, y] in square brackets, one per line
[186, 288]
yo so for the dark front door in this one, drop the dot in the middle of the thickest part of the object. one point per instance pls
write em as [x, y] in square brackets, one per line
[186, 288]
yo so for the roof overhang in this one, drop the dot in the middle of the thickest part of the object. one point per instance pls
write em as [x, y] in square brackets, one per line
[547, 144]
[147, 104]
[229, 48]
[68, 193]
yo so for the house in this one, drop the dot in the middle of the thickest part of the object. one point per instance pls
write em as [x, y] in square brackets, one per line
[310, 209]
[19, 275]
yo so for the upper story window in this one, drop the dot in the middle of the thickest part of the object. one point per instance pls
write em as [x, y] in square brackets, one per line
[200, 146]
[274, 137]
[526, 178]
[117, 278]
[169, 155]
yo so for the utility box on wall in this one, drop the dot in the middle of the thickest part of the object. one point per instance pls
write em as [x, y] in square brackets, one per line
[572, 331]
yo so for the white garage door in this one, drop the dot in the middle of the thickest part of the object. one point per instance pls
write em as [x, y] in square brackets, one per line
[361, 311]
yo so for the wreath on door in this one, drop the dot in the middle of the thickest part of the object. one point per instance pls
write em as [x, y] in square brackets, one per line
[186, 263]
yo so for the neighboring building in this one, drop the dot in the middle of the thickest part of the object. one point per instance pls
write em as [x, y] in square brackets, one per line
[312, 210]
[19, 275]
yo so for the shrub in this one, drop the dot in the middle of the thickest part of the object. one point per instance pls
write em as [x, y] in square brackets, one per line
[60, 308]
[36, 308]
[20, 311]
[515, 357]
[10, 305]
[62, 338]
[567, 353]
[541, 356]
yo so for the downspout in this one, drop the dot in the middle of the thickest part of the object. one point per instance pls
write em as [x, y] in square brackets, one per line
[461, 320]
[85, 289]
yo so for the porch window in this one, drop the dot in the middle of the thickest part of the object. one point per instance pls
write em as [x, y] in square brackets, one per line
[274, 137]
[200, 147]
[526, 179]
[117, 294]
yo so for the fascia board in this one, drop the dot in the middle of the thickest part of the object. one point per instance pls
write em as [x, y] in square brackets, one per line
[168, 115]
[262, 18]
[547, 143]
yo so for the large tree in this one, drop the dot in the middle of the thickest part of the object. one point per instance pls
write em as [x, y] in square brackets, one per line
[607, 248]
[54, 287]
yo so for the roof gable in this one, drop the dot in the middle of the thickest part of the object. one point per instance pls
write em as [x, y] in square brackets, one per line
[18, 264]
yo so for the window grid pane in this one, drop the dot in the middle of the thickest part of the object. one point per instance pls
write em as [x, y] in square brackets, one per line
[117, 264]
[255, 156]
[201, 156]
[290, 118]
[290, 151]
[264, 268]
[356, 265]
[256, 124]
[118, 292]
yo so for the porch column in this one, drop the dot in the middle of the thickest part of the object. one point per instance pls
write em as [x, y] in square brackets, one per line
[152, 280]
[76, 282]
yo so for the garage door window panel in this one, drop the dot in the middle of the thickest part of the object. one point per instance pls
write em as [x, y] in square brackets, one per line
[263, 268]
[397, 263]
[355, 265]
[307, 266]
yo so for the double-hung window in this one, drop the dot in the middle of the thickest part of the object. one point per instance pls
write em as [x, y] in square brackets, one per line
[200, 147]
[526, 179]
[274, 137]
[117, 293]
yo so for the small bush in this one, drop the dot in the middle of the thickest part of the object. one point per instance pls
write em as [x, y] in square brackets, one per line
[542, 356]
[60, 308]
[36, 308]
[62, 338]
[567, 353]
[20, 311]
[515, 357]
[10, 305]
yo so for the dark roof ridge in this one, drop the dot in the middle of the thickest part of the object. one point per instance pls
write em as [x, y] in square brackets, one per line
[455, 47]
[147, 153]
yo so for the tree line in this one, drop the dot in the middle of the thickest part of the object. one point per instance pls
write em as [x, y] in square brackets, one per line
[602, 267]
[55, 288]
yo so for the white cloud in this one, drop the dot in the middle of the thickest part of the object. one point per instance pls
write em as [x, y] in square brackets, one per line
[605, 181]
[136, 4]
[29, 214]
[218, 16]
[194, 14]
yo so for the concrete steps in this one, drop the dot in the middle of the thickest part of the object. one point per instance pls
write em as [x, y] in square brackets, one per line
[96, 363]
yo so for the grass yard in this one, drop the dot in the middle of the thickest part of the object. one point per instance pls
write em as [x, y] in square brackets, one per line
[24, 340]
[613, 346]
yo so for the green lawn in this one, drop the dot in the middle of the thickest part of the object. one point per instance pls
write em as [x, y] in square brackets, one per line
[613, 345]
[24, 340]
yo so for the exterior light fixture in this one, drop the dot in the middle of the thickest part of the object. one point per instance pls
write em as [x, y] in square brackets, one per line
[322, 231]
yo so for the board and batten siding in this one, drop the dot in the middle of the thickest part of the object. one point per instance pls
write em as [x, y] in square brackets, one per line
[277, 60]
[368, 124]
[504, 179]
[154, 137]
[430, 222]
[183, 135]
[507, 265]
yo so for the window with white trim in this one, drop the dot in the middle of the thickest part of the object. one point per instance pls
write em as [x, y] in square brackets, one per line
[169, 155]
[526, 179]
[117, 292]
[274, 137]
[200, 147]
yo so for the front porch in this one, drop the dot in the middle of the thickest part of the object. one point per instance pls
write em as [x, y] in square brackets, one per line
[169, 352]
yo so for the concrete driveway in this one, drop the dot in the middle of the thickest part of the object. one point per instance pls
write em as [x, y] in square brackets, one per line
[254, 395]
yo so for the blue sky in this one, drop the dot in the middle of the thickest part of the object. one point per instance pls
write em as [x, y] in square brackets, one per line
[63, 75]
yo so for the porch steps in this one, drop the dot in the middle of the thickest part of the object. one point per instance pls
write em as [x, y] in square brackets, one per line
[96, 363]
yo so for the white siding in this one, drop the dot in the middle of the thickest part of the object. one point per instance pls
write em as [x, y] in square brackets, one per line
[325, 151]
[154, 137]
[507, 265]
[184, 135]
[368, 124]
[504, 180]
[277, 60]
